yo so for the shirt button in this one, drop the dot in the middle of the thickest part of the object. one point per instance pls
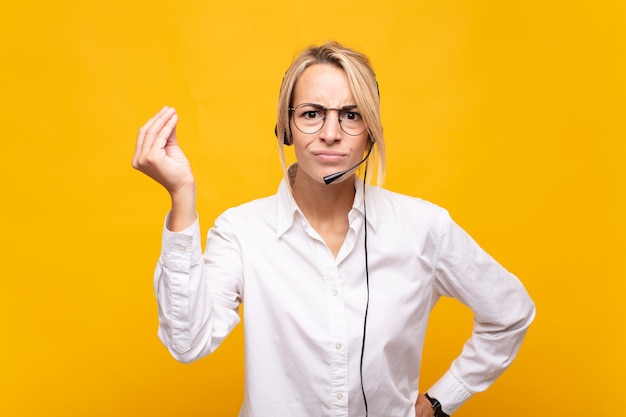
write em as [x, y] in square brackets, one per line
[340, 396]
[338, 346]
[335, 292]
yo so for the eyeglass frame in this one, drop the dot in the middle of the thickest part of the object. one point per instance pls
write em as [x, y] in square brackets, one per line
[291, 110]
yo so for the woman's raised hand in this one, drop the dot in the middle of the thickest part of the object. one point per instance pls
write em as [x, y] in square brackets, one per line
[158, 155]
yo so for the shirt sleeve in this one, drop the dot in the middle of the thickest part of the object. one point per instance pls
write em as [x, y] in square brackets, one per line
[192, 323]
[502, 311]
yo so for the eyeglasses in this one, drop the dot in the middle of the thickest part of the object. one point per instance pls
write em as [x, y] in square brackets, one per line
[309, 118]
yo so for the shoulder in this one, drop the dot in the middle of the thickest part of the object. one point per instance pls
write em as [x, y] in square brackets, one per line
[255, 216]
[392, 203]
[405, 216]
[250, 210]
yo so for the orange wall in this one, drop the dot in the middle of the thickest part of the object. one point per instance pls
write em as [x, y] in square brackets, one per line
[512, 116]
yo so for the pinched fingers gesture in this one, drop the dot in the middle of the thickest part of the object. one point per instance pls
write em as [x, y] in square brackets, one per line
[158, 155]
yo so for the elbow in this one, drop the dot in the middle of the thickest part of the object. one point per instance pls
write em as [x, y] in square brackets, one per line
[523, 317]
[529, 311]
[180, 348]
[507, 320]
[518, 313]
[183, 357]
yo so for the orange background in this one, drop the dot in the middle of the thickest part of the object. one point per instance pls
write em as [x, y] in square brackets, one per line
[510, 115]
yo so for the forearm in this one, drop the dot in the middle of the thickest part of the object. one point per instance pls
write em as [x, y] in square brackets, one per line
[184, 328]
[485, 356]
[191, 323]
[183, 301]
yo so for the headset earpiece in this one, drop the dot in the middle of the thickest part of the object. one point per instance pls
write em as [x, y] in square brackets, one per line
[286, 140]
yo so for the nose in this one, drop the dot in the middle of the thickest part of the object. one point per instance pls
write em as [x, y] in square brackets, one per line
[331, 131]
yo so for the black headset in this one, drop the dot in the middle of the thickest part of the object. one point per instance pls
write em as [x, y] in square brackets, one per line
[286, 140]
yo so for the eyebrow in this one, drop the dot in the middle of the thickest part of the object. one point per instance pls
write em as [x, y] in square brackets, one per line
[346, 107]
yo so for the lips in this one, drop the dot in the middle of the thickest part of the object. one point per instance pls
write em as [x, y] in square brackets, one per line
[329, 156]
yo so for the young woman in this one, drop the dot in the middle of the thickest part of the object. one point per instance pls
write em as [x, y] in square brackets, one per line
[338, 277]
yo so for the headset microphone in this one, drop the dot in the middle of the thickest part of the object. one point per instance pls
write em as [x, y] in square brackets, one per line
[332, 177]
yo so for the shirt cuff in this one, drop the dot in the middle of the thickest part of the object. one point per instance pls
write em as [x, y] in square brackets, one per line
[450, 392]
[180, 250]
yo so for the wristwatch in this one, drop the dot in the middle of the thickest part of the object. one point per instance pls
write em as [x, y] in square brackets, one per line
[438, 412]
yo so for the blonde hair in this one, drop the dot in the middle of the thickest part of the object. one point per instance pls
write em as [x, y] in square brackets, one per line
[363, 86]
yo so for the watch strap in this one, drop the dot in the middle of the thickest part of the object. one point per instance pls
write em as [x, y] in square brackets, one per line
[437, 411]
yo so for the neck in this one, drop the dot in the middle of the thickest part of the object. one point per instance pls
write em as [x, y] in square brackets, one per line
[324, 204]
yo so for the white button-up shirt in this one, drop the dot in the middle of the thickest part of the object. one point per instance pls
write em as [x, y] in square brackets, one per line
[305, 309]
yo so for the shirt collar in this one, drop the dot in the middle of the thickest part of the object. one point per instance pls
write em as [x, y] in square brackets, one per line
[370, 198]
[287, 207]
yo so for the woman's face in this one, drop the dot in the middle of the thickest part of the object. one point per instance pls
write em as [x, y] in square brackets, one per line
[330, 149]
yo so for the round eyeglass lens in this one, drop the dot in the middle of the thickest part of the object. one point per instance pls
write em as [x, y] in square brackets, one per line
[309, 118]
